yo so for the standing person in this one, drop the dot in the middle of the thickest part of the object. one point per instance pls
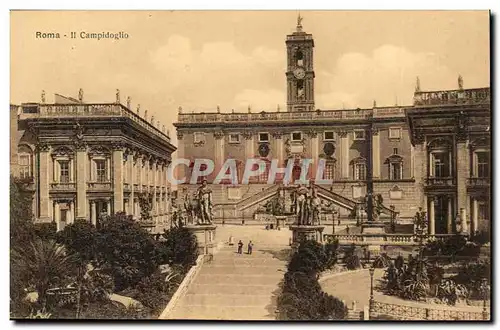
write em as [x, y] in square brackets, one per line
[250, 247]
[347, 229]
[240, 247]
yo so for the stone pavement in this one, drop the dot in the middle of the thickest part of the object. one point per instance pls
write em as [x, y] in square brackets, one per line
[238, 287]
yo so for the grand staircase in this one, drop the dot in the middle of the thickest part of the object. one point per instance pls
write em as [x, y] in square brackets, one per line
[235, 286]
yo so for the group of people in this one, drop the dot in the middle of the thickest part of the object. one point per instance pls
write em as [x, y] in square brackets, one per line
[240, 245]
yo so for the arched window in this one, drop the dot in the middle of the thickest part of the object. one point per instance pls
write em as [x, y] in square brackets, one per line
[359, 168]
[100, 165]
[300, 58]
[25, 161]
[440, 158]
[63, 158]
[480, 158]
[395, 167]
[296, 171]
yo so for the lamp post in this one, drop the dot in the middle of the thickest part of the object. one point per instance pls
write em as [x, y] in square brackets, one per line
[485, 296]
[371, 301]
[333, 221]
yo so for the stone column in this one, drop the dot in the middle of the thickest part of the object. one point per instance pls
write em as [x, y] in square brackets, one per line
[376, 153]
[462, 174]
[109, 206]
[412, 162]
[57, 214]
[93, 216]
[432, 220]
[475, 215]
[449, 216]
[154, 207]
[313, 135]
[132, 181]
[117, 178]
[344, 154]
[55, 174]
[420, 170]
[219, 152]
[45, 207]
[249, 145]
[81, 182]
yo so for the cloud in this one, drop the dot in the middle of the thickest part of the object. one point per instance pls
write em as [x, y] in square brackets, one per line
[386, 75]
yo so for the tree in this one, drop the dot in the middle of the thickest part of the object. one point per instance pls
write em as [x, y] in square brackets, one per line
[126, 250]
[79, 238]
[180, 247]
[21, 214]
[42, 264]
[145, 204]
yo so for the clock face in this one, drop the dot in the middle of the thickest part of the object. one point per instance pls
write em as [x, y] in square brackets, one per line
[299, 73]
[263, 150]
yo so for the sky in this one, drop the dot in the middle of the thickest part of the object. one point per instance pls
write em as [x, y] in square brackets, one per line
[234, 59]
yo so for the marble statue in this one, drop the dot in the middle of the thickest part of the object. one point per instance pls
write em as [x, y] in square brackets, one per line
[204, 196]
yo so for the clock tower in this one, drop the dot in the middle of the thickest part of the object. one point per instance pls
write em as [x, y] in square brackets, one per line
[300, 71]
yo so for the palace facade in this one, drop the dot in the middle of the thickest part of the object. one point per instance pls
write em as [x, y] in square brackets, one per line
[433, 154]
[82, 160]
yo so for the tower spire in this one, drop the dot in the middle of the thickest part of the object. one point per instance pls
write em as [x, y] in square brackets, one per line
[417, 85]
[299, 23]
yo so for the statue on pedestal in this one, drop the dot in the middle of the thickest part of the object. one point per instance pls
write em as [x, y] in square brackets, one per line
[190, 206]
[204, 196]
[315, 208]
[301, 207]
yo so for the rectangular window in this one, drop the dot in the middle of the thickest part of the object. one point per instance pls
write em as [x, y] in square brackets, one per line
[359, 171]
[24, 166]
[199, 137]
[234, 138]
[101, 170]
[359, 135]
[329, 136]
[395, 133]
[483, 164]
[395, 171]
[296, 136]
[64, 171]
[263, 137]
[441, 164]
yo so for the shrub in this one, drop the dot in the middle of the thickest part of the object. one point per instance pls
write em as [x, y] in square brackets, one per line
[79, 238]
[179, 248]
[126, 251]
[351, 258]
[481, 237]
[472, 276]
[399, 262]
[450, 292]
[46, 230]
[382, 261]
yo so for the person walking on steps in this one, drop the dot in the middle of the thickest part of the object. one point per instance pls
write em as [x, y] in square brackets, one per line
[250, 247]
[240, 247]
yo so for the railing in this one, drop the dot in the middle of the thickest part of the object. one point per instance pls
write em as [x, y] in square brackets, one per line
[478, 182]
[99, 185]
[444, 181]
[459, 96]
[63, 186]
[388, 112]
[384, 239]
[404, 312]
[90, 110]
[274, 116]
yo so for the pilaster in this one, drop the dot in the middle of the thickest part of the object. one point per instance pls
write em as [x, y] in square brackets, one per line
[344, 154]
[45, 207]
[117, 178]
[376, 153]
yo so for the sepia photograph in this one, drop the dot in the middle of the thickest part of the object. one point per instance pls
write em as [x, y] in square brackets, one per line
[250, 165]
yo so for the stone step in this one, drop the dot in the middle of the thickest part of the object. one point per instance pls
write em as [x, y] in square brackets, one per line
[241, 260]
[262, 300]
[211, 312]
[240, 289]
[235, 279]
[241, 269]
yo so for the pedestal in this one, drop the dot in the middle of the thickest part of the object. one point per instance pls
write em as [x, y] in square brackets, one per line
[205, 236]
[374, 232]
[304, 232]
[280, 220]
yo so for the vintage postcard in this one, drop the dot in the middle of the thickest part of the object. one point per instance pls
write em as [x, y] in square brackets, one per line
[250, 165]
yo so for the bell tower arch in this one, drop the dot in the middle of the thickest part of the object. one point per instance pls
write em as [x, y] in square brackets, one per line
[300, 70]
